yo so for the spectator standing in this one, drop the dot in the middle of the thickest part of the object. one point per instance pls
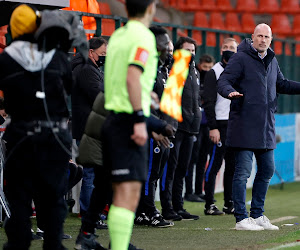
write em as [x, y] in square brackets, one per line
[217, 113]
[180, 154]
[38, 140]
[252, 79]
[130, 72]
[202, 144]
[89, 81]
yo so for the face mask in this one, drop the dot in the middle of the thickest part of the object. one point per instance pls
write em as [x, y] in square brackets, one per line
[202, 75]
[169, 61]
[101, 61]
[226, 55]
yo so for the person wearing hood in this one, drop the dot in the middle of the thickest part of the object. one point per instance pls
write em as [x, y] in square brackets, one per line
[38, 144]
[217, 113]
[201, 145]
[252, 80]
[88, 82]
[180, 154]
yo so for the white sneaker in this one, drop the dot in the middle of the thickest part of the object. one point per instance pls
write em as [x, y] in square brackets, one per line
[248, 224]
[265, 223]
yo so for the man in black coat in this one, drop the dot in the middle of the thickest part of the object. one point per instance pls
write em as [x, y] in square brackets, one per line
[89, 81]
[252, 79]
[180, 154]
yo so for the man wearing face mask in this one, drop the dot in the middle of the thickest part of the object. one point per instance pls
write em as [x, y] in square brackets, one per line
[147, 214]
[89, 81]
[180, 154]
[217, 113]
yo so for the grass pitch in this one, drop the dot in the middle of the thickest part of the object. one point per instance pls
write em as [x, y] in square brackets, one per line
[283, 204]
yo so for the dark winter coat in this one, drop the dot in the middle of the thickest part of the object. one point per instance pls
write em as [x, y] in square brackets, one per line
[251, 120]
[190, 107]
[90, 147]
[88, 82]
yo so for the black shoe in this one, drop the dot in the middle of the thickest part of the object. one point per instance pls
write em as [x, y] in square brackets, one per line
[193, 198]
[171, 215]
[40, 233]
[158, 221]
[186, 215]
[213, 210]
[130, 247]
[142, 220]
[36, 237]
[101, 225]
[229, 209]
[87, 242]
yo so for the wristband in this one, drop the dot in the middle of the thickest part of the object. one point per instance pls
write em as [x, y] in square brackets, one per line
[138, 116]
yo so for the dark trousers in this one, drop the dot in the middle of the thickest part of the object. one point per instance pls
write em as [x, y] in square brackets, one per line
[157, 162]
[36, 170]
[101, 195]
[217, 155]
[180, 155]
[199, 157]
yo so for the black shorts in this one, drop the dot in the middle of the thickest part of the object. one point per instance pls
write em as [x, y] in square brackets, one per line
[127, 160]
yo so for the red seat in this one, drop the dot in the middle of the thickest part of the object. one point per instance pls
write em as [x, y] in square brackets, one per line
[191, 5]
[208, 5]
[296, 25]
[200, 19]
[290, 6]
[281, 25]
[278, 47]
[297, 38]
[224, 5]
[104, 8]
[173, 3]
[268, 6]
[246, 6]
[248, 23]
[232, 22]
[216, 21]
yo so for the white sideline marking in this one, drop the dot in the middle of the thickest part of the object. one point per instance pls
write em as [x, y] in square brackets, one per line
[283, 219]
[285, 246]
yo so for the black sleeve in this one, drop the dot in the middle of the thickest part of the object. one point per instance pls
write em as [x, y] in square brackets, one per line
[155, 124]
[210, 98]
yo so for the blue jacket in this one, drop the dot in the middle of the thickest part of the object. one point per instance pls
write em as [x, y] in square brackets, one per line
[251, 120]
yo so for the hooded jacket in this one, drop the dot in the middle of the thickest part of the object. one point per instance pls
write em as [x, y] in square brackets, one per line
[88, 82]
[251, 119]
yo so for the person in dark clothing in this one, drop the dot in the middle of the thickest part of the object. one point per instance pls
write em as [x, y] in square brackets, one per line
[89, 81]
[146, 211]
[38, 140]
[252, 79]
[217, 113]
[180, 154]
[202, 144]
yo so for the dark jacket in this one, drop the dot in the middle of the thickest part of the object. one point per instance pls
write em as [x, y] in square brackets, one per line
[88, 82]
[90, 147]
[190, 107]
[251, 120]
[159, 86]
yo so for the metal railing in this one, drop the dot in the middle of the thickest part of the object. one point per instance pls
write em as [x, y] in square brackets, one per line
[288, 63]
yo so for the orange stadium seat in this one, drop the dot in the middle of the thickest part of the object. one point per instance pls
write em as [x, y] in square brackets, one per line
[208, 5]
[248, 23]
[297, 38]
[216, 21]
[191, 5]
[224, 5]
[108, 25]
[296, 25]
[246, 6]
[232, 22]
[278, 47]
[200, 20]
[290, 6]
[268, 6]
[281, 25]
[173, 3]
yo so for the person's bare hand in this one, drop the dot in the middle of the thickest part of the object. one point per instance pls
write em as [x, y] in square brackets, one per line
[160, 139]
[140, 134]
[214, 135]
[235, 95]
[154, 100]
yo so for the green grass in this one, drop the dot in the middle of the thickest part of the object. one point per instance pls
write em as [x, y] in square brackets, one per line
[192, 234]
